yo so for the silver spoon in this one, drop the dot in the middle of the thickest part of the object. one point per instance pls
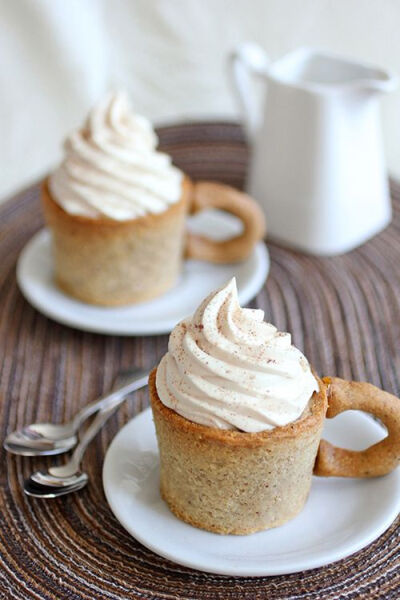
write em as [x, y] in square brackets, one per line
[40, 439]
[68, 478]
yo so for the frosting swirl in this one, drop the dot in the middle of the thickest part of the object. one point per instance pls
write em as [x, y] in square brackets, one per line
[111, 167]
[227, 368]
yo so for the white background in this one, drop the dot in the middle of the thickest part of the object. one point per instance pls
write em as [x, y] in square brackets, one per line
[57, 57]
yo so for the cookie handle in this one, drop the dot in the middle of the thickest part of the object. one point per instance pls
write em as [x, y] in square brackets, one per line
[379, 459]
[208, 194]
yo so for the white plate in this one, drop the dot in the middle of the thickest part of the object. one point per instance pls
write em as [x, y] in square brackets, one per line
[341, 515]
[34, 276]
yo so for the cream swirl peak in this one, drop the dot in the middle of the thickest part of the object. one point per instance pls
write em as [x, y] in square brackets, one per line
[112, 168]
[227, 368]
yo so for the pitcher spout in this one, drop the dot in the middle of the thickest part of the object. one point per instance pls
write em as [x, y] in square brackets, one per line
[382, 81]
[323, 72]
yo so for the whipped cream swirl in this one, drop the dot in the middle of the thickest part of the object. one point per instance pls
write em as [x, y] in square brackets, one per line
[227, 368]
[111, 167]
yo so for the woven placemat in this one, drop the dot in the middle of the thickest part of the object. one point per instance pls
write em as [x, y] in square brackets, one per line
[343, 312]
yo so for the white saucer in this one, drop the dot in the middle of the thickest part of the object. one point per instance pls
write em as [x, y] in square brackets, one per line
[34, 276]
[341, 515]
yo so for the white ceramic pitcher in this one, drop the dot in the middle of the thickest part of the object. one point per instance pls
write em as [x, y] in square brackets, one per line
[317, 165]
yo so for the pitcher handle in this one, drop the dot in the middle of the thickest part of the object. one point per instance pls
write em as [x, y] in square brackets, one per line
[246, 60]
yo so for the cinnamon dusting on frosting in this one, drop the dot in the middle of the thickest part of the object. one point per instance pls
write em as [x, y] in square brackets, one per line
[227, 368]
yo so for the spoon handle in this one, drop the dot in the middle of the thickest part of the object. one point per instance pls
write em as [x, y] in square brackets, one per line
[73, 465]
[135, 381]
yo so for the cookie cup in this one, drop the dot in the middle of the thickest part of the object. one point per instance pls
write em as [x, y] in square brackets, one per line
[232, 482]
[106, 262]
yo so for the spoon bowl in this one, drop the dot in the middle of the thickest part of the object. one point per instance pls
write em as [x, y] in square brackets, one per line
[61, 476]
[36, 490]
[23, 445]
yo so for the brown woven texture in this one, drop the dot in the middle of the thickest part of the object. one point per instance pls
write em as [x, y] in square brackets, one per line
[343, 312]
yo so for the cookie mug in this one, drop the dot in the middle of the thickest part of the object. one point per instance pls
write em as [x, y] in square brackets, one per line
[233, 482]
[106, 262]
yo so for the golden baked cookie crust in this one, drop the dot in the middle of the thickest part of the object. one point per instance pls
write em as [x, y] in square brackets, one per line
[232, 482]
[106, 262]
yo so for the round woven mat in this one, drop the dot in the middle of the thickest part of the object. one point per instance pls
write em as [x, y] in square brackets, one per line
[343, 312]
